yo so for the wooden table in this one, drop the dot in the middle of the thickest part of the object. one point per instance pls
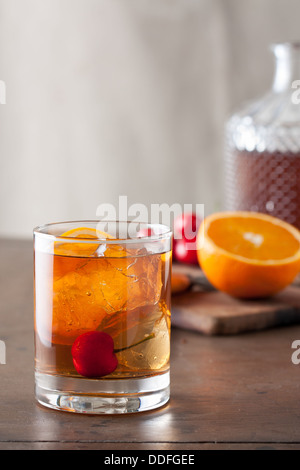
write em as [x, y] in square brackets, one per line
[239, 392]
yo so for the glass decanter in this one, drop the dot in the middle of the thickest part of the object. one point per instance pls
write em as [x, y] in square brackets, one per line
[262, 157]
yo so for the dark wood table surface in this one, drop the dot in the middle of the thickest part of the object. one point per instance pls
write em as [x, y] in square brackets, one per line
[239, 392]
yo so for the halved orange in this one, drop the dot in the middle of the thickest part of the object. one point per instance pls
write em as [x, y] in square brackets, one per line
[81, 248]
[247, 254]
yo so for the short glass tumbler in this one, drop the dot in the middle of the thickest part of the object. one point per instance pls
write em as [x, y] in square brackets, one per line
[102, 316]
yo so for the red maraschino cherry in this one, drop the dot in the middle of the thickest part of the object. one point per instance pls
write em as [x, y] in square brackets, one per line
[93, 354]
[186, 227]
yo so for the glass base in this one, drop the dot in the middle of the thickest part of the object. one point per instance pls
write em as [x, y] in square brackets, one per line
[102, 396]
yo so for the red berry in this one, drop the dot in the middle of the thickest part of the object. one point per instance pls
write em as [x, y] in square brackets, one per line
[185, 251]
[145, 232]
[186, 225]
[174, 243]
[93, 354]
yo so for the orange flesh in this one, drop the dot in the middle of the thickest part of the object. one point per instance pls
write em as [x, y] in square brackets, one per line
[253, 238]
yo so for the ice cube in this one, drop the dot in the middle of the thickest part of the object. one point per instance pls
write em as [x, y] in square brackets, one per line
[152, 354]
[94, 290]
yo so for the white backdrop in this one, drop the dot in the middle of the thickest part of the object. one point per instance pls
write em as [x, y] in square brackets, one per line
[124, 97]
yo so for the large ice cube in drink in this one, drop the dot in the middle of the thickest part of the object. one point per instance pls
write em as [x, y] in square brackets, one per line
[153, 353]
[87, 291]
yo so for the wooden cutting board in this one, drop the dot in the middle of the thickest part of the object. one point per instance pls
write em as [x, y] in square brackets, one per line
[205, 310]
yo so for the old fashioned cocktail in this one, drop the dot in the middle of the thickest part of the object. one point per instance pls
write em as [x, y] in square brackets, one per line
[102, 316]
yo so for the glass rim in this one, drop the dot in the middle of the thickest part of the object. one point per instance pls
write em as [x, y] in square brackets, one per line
[40, 231]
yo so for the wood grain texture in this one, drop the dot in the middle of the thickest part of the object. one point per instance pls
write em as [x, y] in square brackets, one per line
[211, 312]
[226, 392]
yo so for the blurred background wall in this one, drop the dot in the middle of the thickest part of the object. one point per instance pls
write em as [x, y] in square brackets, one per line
[125, 97]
